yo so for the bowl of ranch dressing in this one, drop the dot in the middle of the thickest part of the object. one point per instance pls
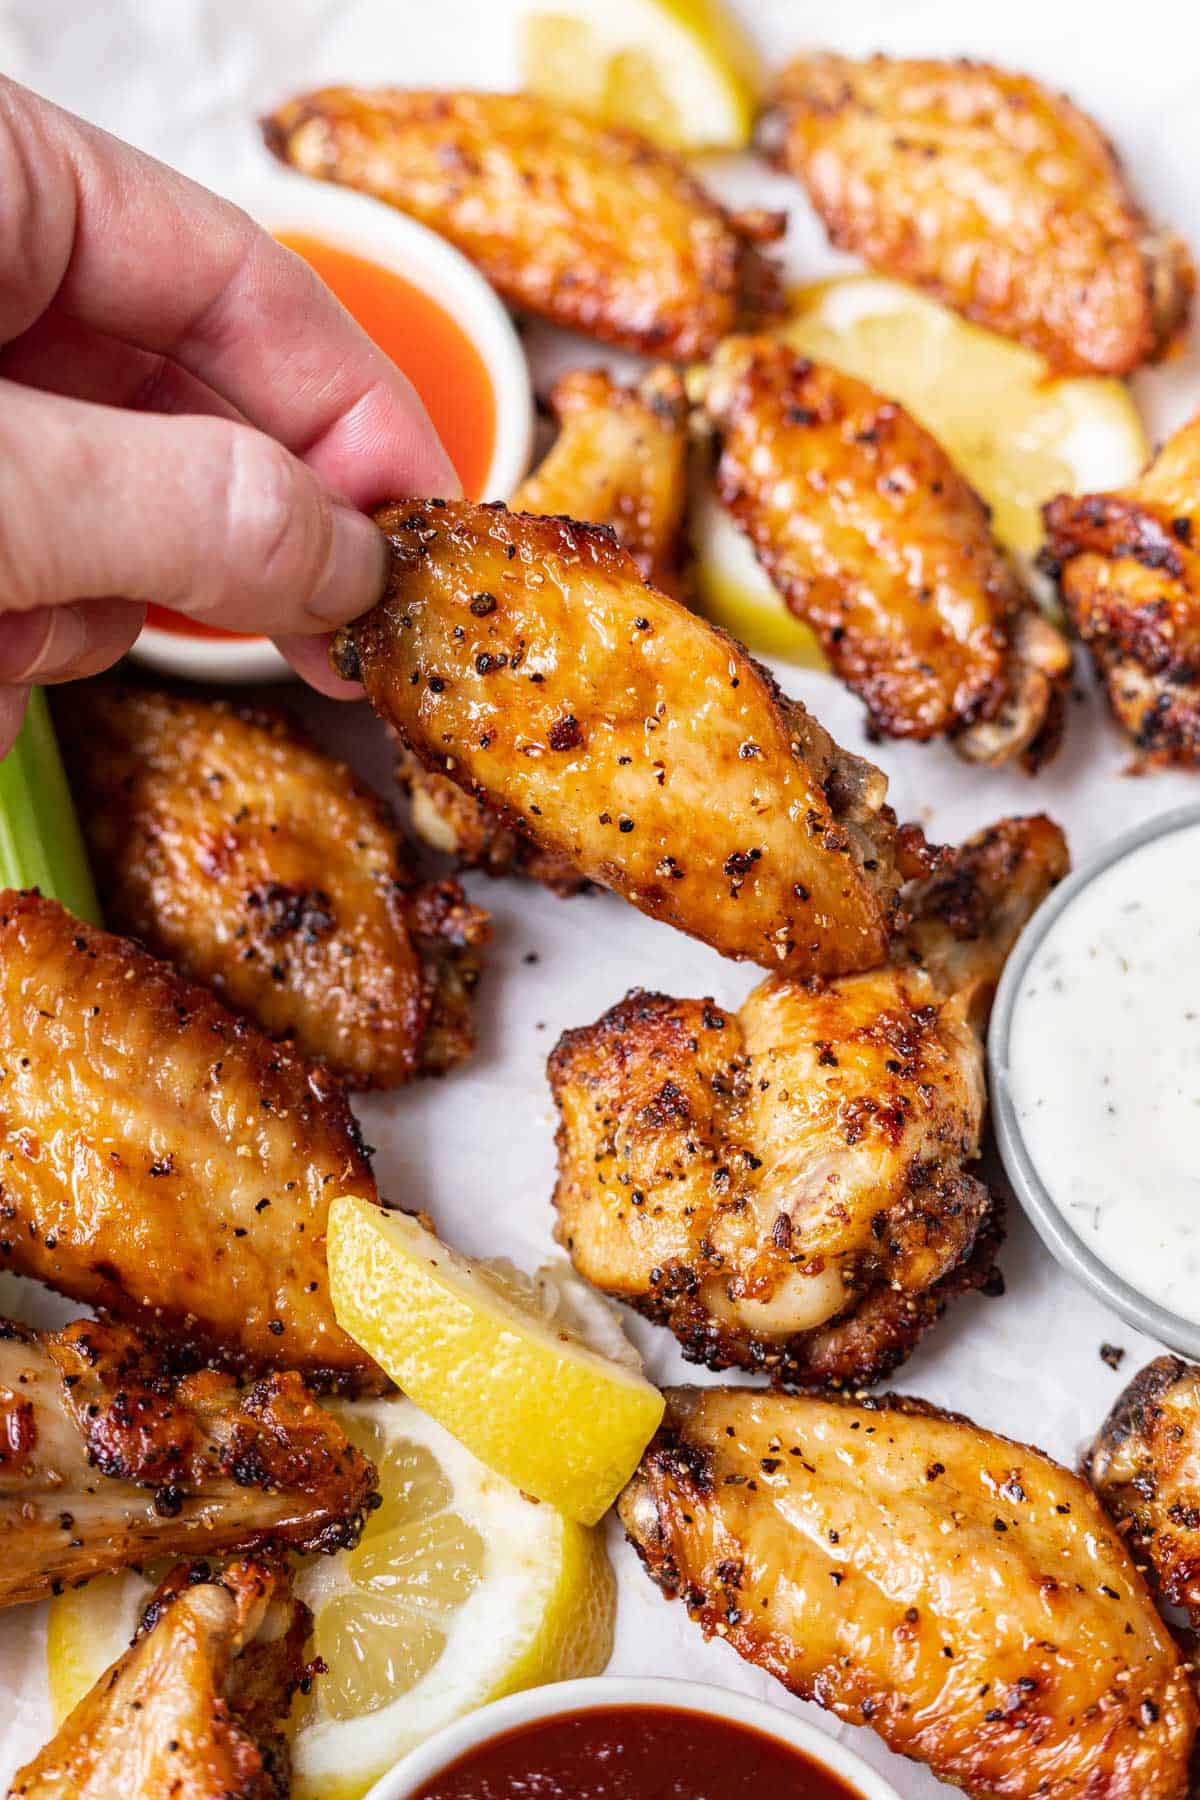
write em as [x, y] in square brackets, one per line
[1094, 1062]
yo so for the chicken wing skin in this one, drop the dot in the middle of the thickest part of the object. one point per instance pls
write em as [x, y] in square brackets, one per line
[528, 659]
[620, 459]
[793, 1188]
[226, 842]
[105, 1461]
[195, 1708]
[993, 193]
[1128, 565]
[959, 1593]
[878, 543]
[587, 225]
[474, 833]
[1145, 1466]
[163, 1160]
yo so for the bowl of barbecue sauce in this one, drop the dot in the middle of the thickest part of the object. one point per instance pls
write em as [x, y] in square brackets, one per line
[613, 1739]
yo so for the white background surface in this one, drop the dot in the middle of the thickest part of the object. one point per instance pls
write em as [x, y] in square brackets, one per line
[186, 78]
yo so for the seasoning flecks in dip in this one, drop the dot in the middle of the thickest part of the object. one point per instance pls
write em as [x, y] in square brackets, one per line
[1104, 1067]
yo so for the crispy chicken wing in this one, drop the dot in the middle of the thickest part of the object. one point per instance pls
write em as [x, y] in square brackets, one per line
[794, 1187]
[997, 195]
[960, 1593]
[1145, 1466]
[620, 460]
[476, 834]
[194, 1710]
[234, 848]
[587, 225]
[1129, 570]
[163, 1160]
[527, 658]
[105, 1460]
[878, 543]
[241, 854]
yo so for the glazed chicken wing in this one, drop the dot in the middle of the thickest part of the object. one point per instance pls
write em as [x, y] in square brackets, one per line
[163, 1160]
[105, 1460]
[1129, 569]
[794, 1187]
[234, 848]
[1145, 1466]
[993, 193]
[620, 460]
[195, 1709]
[878, 543]
[587, 225]
[959, 1593]
[528, 659]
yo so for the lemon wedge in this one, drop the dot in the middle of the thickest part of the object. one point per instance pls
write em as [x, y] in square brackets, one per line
[522, 1391]
[679, 71]
[459, 1591]
[1019, 436]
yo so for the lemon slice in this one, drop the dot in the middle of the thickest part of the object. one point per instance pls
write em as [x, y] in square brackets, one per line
[459, 1591]
[1018, 436]
[734, 591]
[525, 1393]
[679, 71]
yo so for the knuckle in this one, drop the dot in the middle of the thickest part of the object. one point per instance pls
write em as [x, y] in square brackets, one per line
[37, 213]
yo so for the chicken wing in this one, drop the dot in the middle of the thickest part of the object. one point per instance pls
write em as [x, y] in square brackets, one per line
[163, 1160]
[1128, 565]
[997, 195]
[587, 225]
[620, 460]
[232, 847]
[878, 543]
[105, 1460]
[1145, 1466]
[527, 658]
[475, 833]
[195, 1708]
[794, 1188]
[959, 1593]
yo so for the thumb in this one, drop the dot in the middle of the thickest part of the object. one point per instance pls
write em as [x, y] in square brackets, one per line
[206, 515]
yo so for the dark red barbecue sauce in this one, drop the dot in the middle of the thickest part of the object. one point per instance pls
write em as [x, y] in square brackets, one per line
[634, 1753]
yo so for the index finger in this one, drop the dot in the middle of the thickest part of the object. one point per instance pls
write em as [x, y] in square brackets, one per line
[109, 237]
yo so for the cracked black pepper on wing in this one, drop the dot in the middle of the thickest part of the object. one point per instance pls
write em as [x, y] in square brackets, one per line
[163, 1160]
[226, 842]
[588, 225]
[196, 1708]
[108, 1461]
[991, 191]
[961, 1594]
[794, 1188]
[527, 659]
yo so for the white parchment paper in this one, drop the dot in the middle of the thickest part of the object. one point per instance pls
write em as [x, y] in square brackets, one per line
[186, 79]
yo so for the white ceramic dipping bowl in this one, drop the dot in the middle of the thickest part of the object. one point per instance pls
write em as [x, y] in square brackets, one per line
[290, 204]
[412, 1773]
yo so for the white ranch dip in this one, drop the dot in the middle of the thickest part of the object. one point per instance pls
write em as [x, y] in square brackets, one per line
[1104, 1067]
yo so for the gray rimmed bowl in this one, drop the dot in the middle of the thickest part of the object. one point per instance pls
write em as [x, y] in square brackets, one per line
[1068, 1249]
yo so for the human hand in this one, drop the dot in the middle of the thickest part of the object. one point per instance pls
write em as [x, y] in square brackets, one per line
[187, 415]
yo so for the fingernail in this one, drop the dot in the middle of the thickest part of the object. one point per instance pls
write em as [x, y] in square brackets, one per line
[41, 643]
[355, 572]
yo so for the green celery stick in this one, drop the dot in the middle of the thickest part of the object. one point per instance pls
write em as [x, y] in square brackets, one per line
[41, 844]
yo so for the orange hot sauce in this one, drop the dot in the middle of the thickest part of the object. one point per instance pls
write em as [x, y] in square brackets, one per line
[432, 349]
